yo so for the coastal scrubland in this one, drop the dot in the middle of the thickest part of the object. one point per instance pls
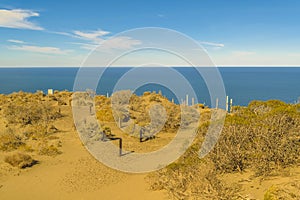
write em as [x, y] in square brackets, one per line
[256, 156]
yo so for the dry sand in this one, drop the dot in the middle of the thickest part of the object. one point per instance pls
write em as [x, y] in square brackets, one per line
[74, 174]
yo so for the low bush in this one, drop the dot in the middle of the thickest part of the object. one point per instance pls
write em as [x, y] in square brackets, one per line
[20, 160]
[262, 136]
[10, 141]
[48, 150]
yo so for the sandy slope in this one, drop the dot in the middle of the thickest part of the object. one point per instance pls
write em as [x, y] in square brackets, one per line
[74, 174]
[253, 187]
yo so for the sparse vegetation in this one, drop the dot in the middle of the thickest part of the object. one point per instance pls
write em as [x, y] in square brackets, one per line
[28, 119]
[48, 150]
[287, 192]
[192, 178]
[137, 109]
[263, 137]
[9, 140]
[20, 160]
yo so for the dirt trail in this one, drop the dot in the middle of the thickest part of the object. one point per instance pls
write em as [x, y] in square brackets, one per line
[74, 174]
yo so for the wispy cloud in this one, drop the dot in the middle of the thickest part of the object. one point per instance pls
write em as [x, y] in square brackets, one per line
[59, 33]
[40, 49]
[212, 44]
[18, 18]
[120, 43]
[101, 39]
[93, 36]
[16, 41]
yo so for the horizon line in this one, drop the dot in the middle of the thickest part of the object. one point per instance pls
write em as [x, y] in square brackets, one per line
[175, 66]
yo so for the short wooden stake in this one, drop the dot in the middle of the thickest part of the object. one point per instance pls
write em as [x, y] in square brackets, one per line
[227, 103]
[187, 99]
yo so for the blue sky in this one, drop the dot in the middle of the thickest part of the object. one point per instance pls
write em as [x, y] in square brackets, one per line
[234, 33]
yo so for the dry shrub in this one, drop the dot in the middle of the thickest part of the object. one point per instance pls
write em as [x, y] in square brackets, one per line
[31, 112]
[262, 136]
[189, 115]
[48, 150]
[39, 131]
[192, 178]
[20, 160]
[62, 97]
[103, 109]
[10, 141]
[155, 97]
[137, 109]
[104, 114]
[289, 191]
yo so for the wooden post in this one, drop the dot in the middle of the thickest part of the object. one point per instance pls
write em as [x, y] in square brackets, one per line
[230, 105]
[50, 91]
[193, 101]
[141, 134]
[120, 146]
[91, 109]
[107, 95]
[120, 123]
[187, 99]
[172, 100]
[217, 103]
[227, 103]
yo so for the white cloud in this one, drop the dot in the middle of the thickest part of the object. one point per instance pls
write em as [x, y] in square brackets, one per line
[59, 33]
[220, 45]
[40, 49]
[121, 42]
[99, 39]
[18, 18]
[93, 36]
[16, 41]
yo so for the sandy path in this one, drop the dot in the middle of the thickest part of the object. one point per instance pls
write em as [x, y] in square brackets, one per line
[75, 174]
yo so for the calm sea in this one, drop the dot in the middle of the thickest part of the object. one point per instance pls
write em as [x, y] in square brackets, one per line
[242, 84]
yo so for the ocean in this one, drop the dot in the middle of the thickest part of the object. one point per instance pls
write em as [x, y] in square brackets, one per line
[242, 84]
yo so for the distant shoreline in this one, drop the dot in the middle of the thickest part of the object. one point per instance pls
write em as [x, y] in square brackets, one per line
[242, 84]
[225, 66]
[199, 103]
